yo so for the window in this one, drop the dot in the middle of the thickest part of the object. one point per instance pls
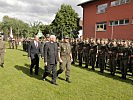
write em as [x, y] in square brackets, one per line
[102, 8]
[101, 26]
[116, 22]
[119, 2]
[119, 22]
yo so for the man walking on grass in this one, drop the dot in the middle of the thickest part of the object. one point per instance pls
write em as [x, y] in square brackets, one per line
[51, 58]
[34, 50]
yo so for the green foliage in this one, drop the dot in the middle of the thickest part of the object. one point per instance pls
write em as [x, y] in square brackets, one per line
[46, 29]
[19, 27]
[65, 22]
[34, 28]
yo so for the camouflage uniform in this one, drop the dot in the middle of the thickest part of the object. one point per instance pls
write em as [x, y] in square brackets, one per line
[2, 51]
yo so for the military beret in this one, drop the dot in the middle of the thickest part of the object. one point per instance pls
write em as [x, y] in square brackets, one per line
[66, 37]
[47, 35]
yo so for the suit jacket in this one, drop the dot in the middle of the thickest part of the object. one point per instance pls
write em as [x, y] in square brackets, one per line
[34, 51]
[51, 53]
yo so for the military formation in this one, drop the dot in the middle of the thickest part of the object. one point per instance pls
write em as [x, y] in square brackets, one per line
[13, 43]
[104, 54]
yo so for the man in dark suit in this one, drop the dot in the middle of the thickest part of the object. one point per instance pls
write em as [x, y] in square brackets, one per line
[34, 50]
[51, 58]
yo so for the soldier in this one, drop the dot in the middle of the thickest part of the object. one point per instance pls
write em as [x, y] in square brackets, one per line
[16, 43]
[92, 53]
[80, 51]
[124, 58]
[65, 58]
[101, 59]
[74, 51]
[2, 51]
[119, 56]
[112, 57]
[106, 54]
[98, 48]
[131, 58]
[47, 39]
[86, 52]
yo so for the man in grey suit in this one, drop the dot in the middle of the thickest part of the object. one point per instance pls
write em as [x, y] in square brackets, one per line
[51, 58]
[34, 50]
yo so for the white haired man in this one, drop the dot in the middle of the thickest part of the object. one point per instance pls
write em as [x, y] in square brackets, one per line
[51, 58]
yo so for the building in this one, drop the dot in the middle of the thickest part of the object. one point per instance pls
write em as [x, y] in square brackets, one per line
[108, 19]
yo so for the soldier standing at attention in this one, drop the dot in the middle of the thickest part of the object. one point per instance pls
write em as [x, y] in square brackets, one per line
[131, 58]
[101, 58]
[124, 53]
[80, 51]
[86, 52]
[113, 57]
[74, 51]
[65, 58]
[92, 53]
[2, 51]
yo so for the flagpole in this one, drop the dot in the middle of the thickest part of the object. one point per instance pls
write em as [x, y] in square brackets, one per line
[112, 35]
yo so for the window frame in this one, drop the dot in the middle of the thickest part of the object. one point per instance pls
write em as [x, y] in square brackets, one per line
[119, 3]
[104, 25]
[124, 22]
[104, 10]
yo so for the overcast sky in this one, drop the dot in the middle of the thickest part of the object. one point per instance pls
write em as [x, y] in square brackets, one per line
[36, 10]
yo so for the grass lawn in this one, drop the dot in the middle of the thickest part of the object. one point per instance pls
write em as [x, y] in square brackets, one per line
[17, 84]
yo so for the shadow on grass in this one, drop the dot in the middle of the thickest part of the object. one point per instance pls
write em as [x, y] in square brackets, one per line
[26, 70]
[116, 77]
[61, 78]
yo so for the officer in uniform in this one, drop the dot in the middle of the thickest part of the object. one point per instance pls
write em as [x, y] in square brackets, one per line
[2, 51]
[47, 39]
[86, 49]
[101, 58]
[131, 58]
[112, 52]
[74, 51]
[80, 51]
[65, 58]
[124, 58]
[92, 54]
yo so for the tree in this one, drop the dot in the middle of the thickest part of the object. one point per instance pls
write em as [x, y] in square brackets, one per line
[65, 22]
[19, 27]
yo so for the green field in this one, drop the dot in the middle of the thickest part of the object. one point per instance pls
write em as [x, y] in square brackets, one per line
[17, 84]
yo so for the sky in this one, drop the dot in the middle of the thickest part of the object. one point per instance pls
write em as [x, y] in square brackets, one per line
[36, 10]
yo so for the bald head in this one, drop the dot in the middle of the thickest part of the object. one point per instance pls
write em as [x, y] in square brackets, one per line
[52, 38]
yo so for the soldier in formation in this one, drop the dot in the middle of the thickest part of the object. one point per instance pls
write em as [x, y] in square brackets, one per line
[102, 53]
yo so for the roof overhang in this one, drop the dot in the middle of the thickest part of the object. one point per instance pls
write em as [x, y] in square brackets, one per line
[87, 2]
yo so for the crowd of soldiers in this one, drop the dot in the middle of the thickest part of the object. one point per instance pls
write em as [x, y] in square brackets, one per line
[103, 54]
[100, 53]
[13, 43]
